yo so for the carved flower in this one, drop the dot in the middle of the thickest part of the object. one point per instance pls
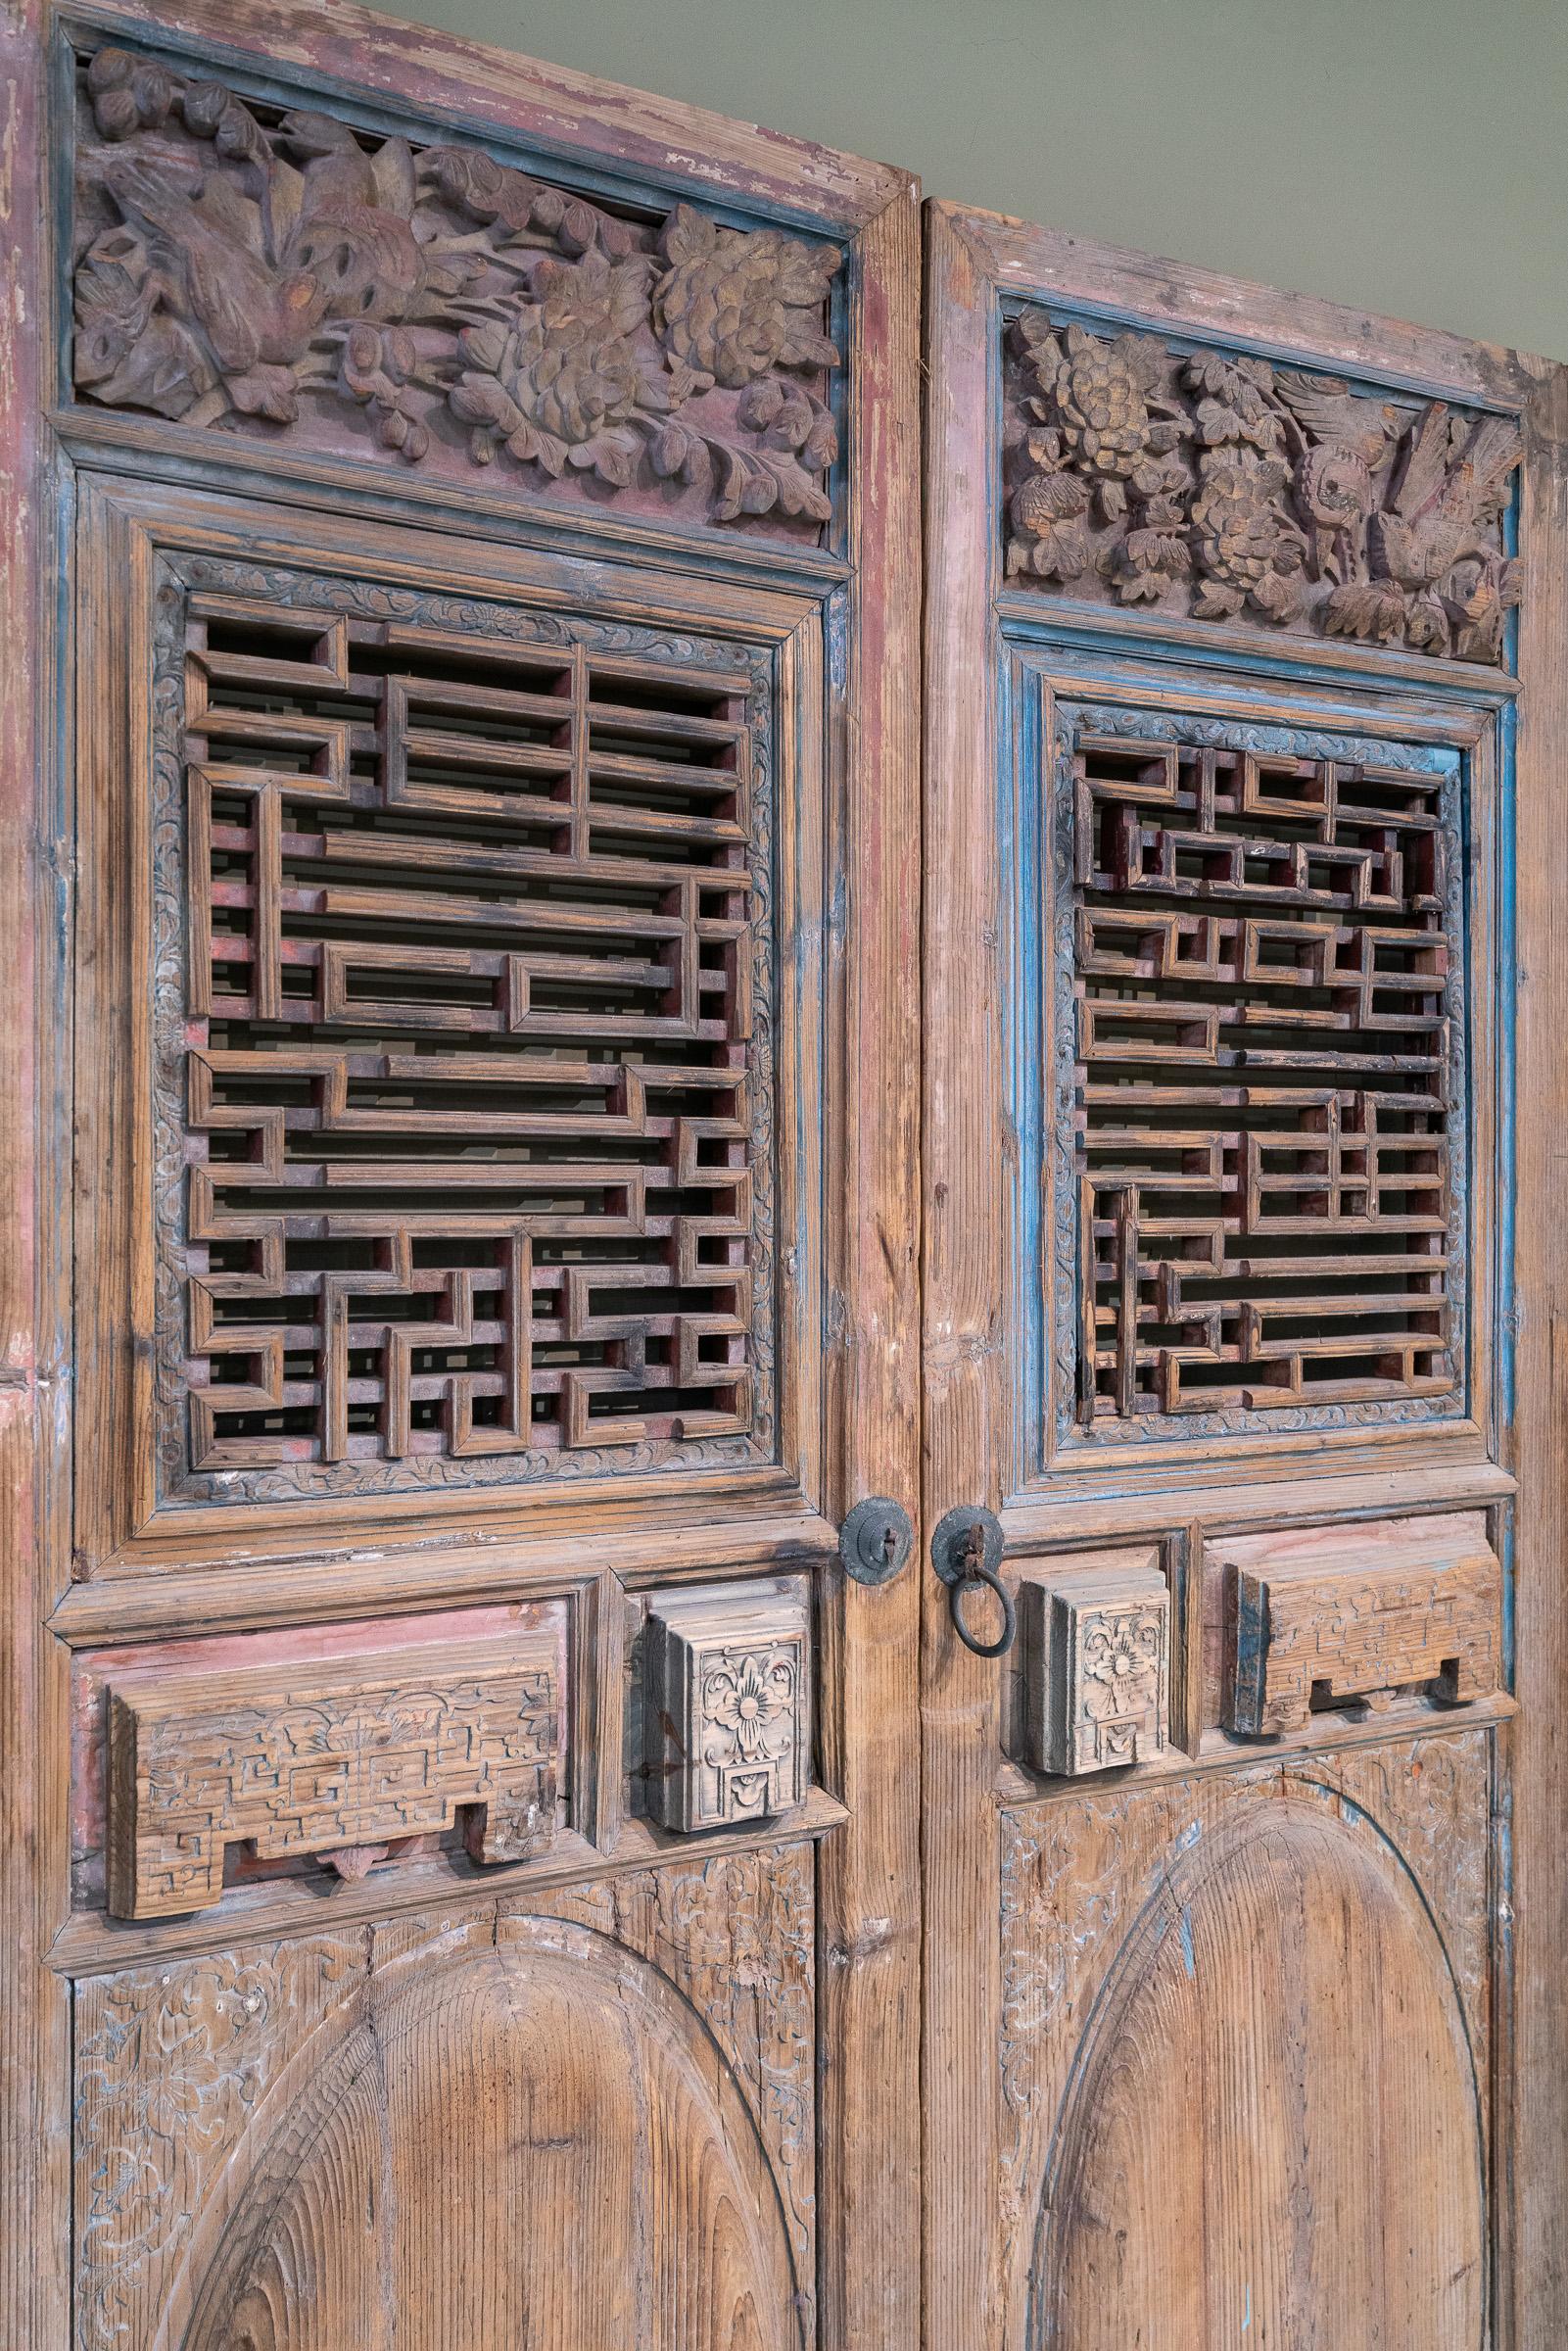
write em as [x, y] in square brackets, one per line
[559, 387]
[746, 1699]
[734, 302]
[1112, 1666]
[1049, 513]
[1247, 547]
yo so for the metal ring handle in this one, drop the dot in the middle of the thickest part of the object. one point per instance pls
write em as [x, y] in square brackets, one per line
[955, 1608]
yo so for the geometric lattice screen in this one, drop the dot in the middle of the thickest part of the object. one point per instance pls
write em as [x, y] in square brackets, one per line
[472, 1083]
[1263, 943]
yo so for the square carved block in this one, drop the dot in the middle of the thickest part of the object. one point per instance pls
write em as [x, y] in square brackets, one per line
[335, 1758]
[729, 1705]
[1339, 1616]
[1096, 1644]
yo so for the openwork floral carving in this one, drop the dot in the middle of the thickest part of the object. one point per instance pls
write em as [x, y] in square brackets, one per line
[1228, 487]
[238, 270]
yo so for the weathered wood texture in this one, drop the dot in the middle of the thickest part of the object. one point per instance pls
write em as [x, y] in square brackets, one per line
[727, 1706]
[1097, 1666]
[1241, 2027]
[1346, 1619]
[233, 2110]
[340, 1762]
[1216, 1264]
[492, 619]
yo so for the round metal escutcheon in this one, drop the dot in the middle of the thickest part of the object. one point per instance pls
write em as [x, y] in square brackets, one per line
[876, 1540]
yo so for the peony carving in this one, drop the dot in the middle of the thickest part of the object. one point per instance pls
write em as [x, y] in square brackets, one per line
[1223, 486]
[241, 272]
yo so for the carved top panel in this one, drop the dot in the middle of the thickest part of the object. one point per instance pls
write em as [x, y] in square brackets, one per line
[278, 273]
[1221, 486]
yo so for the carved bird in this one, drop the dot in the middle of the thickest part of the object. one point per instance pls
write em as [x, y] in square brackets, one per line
[1340, 419]
[1453, 484]
[206, 240]
[1348, 440]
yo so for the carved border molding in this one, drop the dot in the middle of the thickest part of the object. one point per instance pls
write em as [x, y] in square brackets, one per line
[250, 268]
[1225, 486]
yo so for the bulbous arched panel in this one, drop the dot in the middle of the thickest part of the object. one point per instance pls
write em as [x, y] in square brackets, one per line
[524, 2145]
[1272, 2136]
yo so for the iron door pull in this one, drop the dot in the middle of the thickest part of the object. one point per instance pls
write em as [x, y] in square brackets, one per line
[966, 1551]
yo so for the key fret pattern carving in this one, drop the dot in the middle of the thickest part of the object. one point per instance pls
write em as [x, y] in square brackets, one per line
[463, 934]
[729, 1683]
[248, 269]
[1220, 484]
[1097, 1666]
[336, 1760]
[1260, 1040]
[1327, 1623]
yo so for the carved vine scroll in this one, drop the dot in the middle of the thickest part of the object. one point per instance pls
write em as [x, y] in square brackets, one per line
[1223, 485]
[278, 271]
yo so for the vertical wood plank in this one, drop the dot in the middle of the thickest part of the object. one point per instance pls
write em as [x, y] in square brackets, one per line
[1538, 1742]
[34, 1529]
[870, 1874]
[966, 1441]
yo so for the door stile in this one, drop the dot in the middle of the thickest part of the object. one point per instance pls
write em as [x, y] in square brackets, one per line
[1537, 2090]
[966, 1432]
[35, 1243]
[869, 1915]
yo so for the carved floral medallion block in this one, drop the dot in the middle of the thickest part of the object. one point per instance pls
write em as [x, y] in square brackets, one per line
[1095, 1665]
[335, 1759]
[1223, 486]
[245, 268]
[728, 1705]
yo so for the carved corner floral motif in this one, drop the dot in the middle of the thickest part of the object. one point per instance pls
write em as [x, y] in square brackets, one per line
[235, 270]
[1229, 487]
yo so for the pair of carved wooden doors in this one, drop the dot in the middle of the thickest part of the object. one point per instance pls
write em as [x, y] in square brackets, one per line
[719, 1504]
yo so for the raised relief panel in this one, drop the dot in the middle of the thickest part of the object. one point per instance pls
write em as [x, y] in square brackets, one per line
[1224, 486]
[728, 1705]
[251, 2166]
[1234, 2000]
[1260, 1074]
[463, 922]
[286, 278]
[1096, 1641]
[1349, 1616]
[336, 1758]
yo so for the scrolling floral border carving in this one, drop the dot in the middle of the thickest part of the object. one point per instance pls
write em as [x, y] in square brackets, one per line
[245, 267]
[1225, 486]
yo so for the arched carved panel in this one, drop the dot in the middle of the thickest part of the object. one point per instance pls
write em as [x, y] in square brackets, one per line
[514, 2130]
[1271, 2132]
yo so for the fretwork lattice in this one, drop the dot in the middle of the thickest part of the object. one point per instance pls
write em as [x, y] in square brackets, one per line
[472, 1078]
[1264, 969]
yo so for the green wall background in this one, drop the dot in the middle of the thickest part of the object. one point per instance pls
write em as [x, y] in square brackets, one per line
[1411, 155]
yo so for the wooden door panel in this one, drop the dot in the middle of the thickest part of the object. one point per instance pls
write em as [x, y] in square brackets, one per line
[276, 2148]
[483, 773]
[1229, 721]
[1244, 2036]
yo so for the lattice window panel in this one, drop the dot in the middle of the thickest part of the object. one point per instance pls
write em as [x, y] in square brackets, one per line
[472, 1081]
[1260, 951]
